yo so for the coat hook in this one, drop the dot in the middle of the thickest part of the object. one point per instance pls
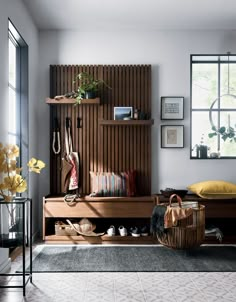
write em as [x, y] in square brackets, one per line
[79, 122]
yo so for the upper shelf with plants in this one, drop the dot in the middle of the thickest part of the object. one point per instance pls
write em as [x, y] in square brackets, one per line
[64, 100]
[86, 93]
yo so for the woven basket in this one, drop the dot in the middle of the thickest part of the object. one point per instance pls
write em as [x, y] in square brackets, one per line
[62, 229]
[189, 233]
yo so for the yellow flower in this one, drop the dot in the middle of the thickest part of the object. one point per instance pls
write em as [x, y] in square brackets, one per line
[35, 165]
[11, 181]
[15, 184]
[13, 151]
[3, 186]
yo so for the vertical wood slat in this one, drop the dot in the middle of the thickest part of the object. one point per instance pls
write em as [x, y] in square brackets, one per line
[110, 148]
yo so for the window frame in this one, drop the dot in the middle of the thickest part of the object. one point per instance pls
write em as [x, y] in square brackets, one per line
[22, 104]
[218, 110]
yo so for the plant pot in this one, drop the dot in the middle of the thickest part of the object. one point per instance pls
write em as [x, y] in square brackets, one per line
[202, 151]
[90, 95]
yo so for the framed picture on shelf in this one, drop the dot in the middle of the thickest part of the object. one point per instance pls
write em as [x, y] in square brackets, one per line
[172, 136]
[172, 108]
[123, 113]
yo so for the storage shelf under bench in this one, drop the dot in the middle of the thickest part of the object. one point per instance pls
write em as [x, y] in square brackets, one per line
[102, 210]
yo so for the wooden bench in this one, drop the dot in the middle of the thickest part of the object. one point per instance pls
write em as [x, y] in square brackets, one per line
[99, 209]
[214, 208]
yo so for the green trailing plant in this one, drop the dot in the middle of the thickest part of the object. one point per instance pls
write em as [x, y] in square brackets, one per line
[87, 87]
[225, 133]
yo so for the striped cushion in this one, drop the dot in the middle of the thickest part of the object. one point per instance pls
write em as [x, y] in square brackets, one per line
[113, 184]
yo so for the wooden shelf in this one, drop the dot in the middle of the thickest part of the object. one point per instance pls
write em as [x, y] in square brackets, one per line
[105, 239]
[126, 122]
[64, 101]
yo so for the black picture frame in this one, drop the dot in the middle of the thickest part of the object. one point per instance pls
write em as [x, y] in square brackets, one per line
[172, 136]
[172, 108]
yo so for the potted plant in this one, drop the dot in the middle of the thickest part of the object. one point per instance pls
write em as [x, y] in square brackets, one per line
[201, 149]
[87, 87]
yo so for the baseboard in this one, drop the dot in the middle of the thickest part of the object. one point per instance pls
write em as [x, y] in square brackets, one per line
[5, 266]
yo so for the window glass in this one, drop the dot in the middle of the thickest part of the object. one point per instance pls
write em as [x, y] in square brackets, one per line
[205, 58]
[12, 63]
[204, 85]
[12, 118]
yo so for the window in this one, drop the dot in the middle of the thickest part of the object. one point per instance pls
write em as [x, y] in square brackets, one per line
[213, 106]
[18, 92]
[18, 99]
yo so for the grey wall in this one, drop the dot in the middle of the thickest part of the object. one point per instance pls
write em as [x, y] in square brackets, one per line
[16, 11]
[169, 53]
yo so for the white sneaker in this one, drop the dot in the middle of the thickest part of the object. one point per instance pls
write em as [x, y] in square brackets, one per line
[122, 230]
[111, 231]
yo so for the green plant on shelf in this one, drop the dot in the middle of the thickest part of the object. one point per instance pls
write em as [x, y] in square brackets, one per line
[88, 87]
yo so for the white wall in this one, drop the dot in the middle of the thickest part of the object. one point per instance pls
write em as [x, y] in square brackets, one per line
[16, 11]
[169, 53]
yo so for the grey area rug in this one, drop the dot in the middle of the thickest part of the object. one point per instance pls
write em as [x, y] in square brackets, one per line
[133, 259]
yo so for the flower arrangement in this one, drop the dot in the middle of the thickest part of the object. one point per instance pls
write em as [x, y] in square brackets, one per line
[11, 181]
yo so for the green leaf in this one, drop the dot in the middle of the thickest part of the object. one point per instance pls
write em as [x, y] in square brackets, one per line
[224, 137]
[222, 130]
[210, 135]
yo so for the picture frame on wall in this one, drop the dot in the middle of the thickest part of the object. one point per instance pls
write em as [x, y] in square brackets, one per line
[123, 113]
[172, 108]
[172, 136]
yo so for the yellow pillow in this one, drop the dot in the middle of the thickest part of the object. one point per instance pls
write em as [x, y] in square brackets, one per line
[214, 189]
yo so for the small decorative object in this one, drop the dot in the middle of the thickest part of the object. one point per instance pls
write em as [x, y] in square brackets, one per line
[11, 181]
[136, 114]
[172, 108]
[123, 113]
[172, 136]
[201, 149]
[215, 155]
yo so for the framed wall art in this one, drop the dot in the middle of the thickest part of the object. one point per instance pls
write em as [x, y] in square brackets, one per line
[172, 136]
[123, 113]
[172, 108]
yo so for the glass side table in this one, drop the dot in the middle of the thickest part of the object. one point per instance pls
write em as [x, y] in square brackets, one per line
[19, 212]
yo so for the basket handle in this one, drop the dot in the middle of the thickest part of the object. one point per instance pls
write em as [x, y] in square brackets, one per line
[178, 199]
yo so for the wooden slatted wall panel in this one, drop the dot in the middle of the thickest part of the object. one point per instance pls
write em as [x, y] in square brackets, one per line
[105, 148]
